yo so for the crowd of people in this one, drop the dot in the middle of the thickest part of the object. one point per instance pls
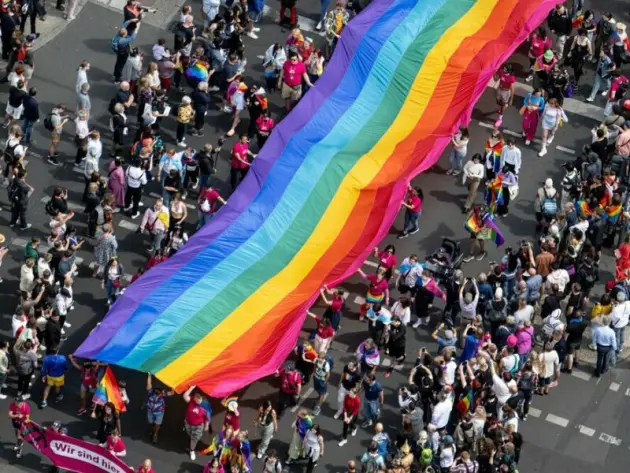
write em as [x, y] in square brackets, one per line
[502, 337]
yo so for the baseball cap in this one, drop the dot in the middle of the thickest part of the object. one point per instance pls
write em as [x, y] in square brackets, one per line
[32, 37]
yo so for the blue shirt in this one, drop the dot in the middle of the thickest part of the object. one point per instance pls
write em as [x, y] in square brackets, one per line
[54, 366]
[372, 391]
[605, 336]
[534, 283]
[470, 348]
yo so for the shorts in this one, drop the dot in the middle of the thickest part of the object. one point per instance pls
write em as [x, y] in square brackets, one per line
[545, 381]
[320, 386]
[15, 112]
[291, 93]
[155, 417]
[86, 389]
[195, 432]
[165, 83]
[55, 381]
[503, 96]
[573, 347]
[55, 137]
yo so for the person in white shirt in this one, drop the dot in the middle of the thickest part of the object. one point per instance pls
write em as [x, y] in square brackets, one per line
[447, 453]
[524, 311]
[82, 130]
[559, 276]
[473, 174]
[82, 77]
[210, 9]
[27, 276]
[550, 362]
[43, 265]
[619, 318]
[442, 410]
[136, 180]
[511, 156]
[95, 145]
[402, 310]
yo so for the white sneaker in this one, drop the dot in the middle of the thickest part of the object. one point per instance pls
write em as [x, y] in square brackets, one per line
[4, 385]
[259, 455]
[63, 332]
[336, 416]
[26, 396]
[527, 142]
[417, 324]
[589, 99]
[3, 396]
[252, 35]
[319, 26]
[255, 29]
[67, 325]
[193, 457]
[550, 139]
[343, 442]
[182, 144]
[543, 152]
[605, 93]
[529, 78]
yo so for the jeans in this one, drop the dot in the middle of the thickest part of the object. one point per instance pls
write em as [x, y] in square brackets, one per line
[603, 352]
[456, 160]
[166, 198]
[204, 179]
[619, 335]
[597, 85]
[110, 290]
[156, 239]
[609, 106]
[325, 4]
[411, 221]
[203, 218]
[509, 285]
[559, 42]
[27, 129]
[371, 410]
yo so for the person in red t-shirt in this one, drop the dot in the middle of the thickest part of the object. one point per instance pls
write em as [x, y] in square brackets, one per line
[335, 306]
[240, 164]
[324, 333]
[89, 380]
[292, 75]
[264, 126]
[196, 420]
[377, 292]
[232, 416]
[505, 91]
[386, 260]
[350, 414]
[207, 205]
[19, 412]
[413, 210]
[290, 388]
[115, 444]
[146, 467]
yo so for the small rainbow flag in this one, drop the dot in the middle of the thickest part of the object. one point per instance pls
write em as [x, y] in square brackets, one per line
[495, 233]
[107, 390]
[473, 225]
[463, 406]
[494, 192]
[584, 209]
[612, 213]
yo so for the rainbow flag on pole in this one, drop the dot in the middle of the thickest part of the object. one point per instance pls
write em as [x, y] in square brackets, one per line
[107, 390]
[495, 233]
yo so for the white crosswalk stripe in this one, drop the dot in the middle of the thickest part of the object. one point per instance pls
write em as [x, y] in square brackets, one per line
[71, 205]
[557, 420]
[614, 386]
[128, 225]
[586, 430]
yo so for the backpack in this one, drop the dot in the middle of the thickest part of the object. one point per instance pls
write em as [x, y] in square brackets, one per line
[50, 208]
[426, 456]
[549, 205]
[331, 361]
[9, 152]
[48, 124]
[621, 90]
[371, 465]
[115, 44]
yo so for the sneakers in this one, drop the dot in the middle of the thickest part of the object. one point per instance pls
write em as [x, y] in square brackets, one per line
[18, 453]
[417, 324]
[354, 432]
[252, 35]
[366, 424]
[456, 172]
[528, 142]
[605, 93]
[317, 410]
[26, 396]
[43, 404]
[337, 415]
[589, 99]
[3, 396]
[259, 455]
[319, 26]
[59, 397]
[543, 152]
[413, 232]
[81, 411]
[136, 215]
[403, 235]
[53, 160]
[550, 139]
[255, 29]
[26, 227]
[343, 442]
[193, 457]
[449, 172]
[482, 256]
[529, 78]
[181, 144]
[66, 324]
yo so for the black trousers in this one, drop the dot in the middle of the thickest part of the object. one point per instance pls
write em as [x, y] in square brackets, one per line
[23, 383]
[6, 45]
[182, 128]
[349, 427]
[33, 15]
[18, 212]
[121, 59]
[236, 175]
[133, 197]
[285, 400]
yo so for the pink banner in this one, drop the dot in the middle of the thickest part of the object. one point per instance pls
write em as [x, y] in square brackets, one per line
[72, 454]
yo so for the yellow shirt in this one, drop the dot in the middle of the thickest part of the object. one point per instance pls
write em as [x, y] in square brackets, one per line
[599, 310]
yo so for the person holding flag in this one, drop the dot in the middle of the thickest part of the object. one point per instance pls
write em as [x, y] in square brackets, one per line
[19, 413]
[197, 419]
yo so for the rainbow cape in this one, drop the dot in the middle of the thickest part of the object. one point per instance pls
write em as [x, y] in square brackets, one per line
[322, 193]
[584, 209]
[612, 213]
[494, 233]
[107, 390]
[493, 195]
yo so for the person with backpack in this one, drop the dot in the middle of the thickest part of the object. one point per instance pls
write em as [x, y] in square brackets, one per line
[271, 463]
[546, 204]
[121, 45]
[19, 193]
[290, 388]
[617, 91]
[372, 461]
[54, 123]
[321, 374]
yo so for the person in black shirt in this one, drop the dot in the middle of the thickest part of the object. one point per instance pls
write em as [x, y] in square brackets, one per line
[575, 331]
[201, 101]
[172, 185]
[206, 165]
[8, 23]
[31, 114]
[15, 104]
[19, 192]
[600, 145]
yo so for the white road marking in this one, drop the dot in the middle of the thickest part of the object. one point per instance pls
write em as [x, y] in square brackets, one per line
[565, 150]
[71, 205]
[159, 196]
[340, 347]
[515, 134]
[554, 419]
[306, 24]
[304, 396]
[628, 392]
[359, 300]
[586, 430]
[535, 412]
[581, 374]
[374, 264]
[609, 439]
[128, 225]
[614, 386]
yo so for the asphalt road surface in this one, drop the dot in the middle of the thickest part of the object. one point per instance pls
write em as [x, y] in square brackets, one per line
[581, 427]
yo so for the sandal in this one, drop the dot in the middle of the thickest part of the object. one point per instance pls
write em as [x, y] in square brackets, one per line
[230, 133]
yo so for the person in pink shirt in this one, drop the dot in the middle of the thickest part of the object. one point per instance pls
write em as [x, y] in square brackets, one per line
[196, 420]
[505, 91]
[413, 210]
[524, 340]
[538, 44]
[232, 416]
[378, 290]
[19, 412]
[264, 126]
[240, 163]
[146, 467]
[115, 444]
[386, 260]
[292, 75]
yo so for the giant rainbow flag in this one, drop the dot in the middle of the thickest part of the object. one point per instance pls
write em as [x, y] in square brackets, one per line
[326, 188]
